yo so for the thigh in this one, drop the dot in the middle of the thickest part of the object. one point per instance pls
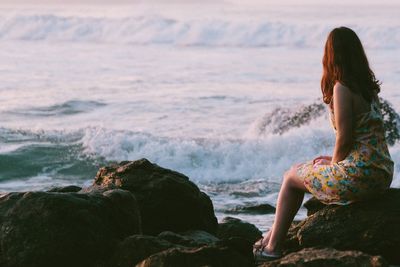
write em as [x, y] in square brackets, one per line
[294, 179]
[328, 183]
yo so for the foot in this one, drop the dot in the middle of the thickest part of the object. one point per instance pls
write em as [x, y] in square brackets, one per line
[266, 254]
[263, 241]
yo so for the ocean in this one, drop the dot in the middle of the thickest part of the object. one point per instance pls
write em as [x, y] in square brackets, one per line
[203, 89]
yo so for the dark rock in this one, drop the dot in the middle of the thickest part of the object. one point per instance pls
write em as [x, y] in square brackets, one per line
[40, 229]
[136, 248]
[224, 253]
[189, 239]
[327, 257]
[139, 247]
[168, 201]
[240, 245]
[201, 237]
[65, 189]
[233, 227]
[292, 242]
[313, 205]
[370, 226]
[257, 209]
[178, 239]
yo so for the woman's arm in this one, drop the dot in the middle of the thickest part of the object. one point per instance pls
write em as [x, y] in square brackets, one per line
[343, 111]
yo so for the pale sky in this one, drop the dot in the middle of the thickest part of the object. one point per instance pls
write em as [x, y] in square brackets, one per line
[266, 2]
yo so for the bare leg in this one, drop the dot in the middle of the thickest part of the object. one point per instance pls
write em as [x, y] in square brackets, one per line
[289, 201]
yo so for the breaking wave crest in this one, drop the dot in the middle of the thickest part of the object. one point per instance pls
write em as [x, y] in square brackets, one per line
[161, 29]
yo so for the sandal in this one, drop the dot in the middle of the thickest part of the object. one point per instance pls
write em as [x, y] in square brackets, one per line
[260, 255]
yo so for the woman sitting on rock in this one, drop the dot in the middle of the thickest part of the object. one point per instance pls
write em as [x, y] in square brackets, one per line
[361, 166]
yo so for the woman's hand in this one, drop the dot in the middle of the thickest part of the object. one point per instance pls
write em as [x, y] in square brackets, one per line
[322, 157]
[322, 160]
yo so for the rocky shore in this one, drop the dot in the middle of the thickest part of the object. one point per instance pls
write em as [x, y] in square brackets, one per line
[139, 214]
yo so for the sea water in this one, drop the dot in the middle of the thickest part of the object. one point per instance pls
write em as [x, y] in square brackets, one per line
[188, 86]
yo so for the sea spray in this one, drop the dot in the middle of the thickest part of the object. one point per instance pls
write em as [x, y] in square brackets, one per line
[391, 122]
[281, 120]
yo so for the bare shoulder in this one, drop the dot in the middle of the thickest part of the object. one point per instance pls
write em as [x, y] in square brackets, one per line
[342, 90]
[342, 98]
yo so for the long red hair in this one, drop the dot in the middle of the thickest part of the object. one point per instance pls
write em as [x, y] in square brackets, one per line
[345, 61]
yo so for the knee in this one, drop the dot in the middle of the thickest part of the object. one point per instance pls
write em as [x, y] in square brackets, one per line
[290, 175]
[286, 176]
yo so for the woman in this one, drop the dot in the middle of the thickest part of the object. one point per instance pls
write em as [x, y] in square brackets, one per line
[361, 166]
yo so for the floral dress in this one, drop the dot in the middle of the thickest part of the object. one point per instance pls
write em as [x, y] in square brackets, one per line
[367, 169]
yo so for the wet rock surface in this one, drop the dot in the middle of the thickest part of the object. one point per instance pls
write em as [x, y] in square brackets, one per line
[253, 209]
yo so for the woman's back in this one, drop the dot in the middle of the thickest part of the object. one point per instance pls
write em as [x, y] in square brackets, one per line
[369, 158]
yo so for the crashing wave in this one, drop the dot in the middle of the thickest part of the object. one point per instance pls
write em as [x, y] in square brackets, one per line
[161, 29]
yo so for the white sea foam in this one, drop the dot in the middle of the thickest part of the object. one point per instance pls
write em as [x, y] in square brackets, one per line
[220, 160]
[145, 29]
[254, 157]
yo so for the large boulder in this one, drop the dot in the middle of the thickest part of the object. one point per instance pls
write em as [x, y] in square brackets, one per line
[371, 226]
[327, 257]
[168, 201]
[40, 229]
